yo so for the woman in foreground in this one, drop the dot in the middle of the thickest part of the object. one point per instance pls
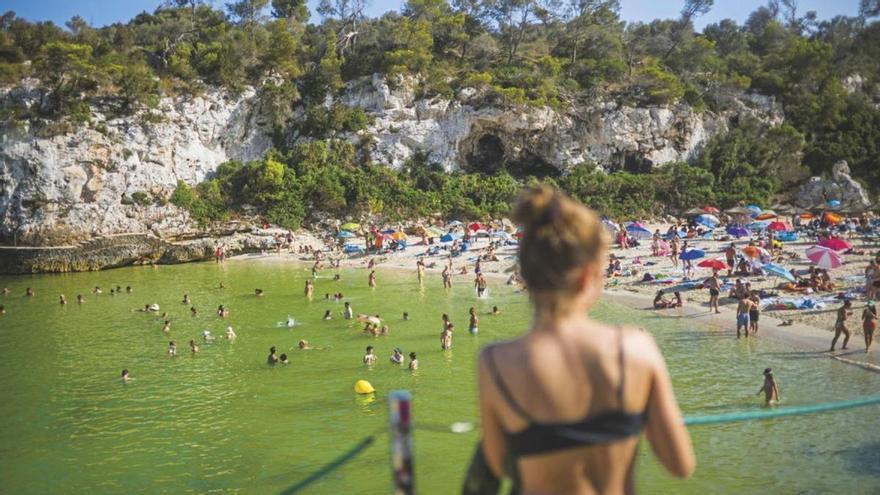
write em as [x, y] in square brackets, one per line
[563, 406]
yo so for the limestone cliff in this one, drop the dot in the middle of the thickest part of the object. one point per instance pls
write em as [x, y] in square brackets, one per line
[115, 174]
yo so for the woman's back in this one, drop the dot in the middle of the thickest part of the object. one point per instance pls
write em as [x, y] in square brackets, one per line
[573, 382]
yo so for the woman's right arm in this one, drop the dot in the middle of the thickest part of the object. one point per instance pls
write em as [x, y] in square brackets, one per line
[665, 429]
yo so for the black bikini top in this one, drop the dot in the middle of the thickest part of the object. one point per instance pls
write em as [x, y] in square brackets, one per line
[541, 437]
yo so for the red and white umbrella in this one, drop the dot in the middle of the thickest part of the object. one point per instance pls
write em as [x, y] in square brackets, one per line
[778, 226]
[714, 263]
[835, 244]
[824, 257]
[475, 226]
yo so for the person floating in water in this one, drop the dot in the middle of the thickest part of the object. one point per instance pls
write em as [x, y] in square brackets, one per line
[369, 357]
[29, 292]
[62, 300]
[6, 291]
[193, 346]
[413, 362]
[2, 310]
[79, 299]
[840, 325]
[474, 321]
[97, 290]
[272, 358]
[128, 289]
[193, 311]
[125, 378]
[327, 315]
[207, 337]
[166, 327]
[258, 292]
[405, 316]
[283, 359]
[186, 299]
[495, 311]
[230, 333]
[397, 356]
[303, 345]
[172, 348]
[770, 389]
[446, 337]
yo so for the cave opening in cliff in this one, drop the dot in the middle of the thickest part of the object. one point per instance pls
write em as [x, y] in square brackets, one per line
[635, 163]
[530, 164]
[487, 156]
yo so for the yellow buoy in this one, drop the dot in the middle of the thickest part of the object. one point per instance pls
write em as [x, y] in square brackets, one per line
[363, 387]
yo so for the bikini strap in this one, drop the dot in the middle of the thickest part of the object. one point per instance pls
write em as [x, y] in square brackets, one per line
[620, 361]
[508, 397]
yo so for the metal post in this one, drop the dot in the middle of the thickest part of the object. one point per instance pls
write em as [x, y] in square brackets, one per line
[400, 435]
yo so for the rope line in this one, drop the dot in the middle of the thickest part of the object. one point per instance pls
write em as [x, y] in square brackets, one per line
[331, 466]
[734, 417]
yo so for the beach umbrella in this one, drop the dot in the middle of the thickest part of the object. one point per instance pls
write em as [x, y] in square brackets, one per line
[766, 215]
[399, 236]
[475, 226]
[691, 254]
[757, 225]
[806, 216]
[754, 210]
[787, 236]
[693, 212]
[751, 251]
[778, 226]
[344, 234]
[708, 220]
[610, 226]
[710, 209]
[738, 210]
[832, 218]
[435, 231]
[454, 223]
[835, 244]
[737, 231]
[638, 231]
[350, 226]
[823, 257]
[448, 237]
[778, 271]
[833, 203]
[714, 263]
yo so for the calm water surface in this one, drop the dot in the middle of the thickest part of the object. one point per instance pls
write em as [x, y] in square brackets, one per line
[224, 421]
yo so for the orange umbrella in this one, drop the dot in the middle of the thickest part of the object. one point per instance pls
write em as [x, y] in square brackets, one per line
[832, 218]
[806, 216]
[751, 251]
[765, 216]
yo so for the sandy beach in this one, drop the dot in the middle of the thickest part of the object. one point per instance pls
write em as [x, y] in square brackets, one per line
[810, 330]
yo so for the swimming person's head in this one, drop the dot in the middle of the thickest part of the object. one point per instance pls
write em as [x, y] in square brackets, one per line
[562, 250]
[369, 349]
[283, 358]
[124, 374]
[303, 344]
[272, 350]
[412, 355]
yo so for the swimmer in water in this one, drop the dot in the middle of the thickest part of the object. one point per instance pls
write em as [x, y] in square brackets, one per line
[303, 345]
[413, 362]
[79, 299]
[193, 346]
[396, 356]
[770, 389]
[172, 348]
[128, 289]
[371, 280]
[446, 337]
[6, 291]
[336, 278]
[495, 310]
[194, 311]
[258, 292]
[283, 359]
[272, 358]
[347, 313]
[221, 285]
[29, 292]
[62, 300]
[384, 330]
[420, 269]
[164, 315]
[125, 377]
[207, 337]
[185, 299]
[369, 357]
[166, 327]
[480, 284]
[405, 316]
[2, 310]
[326, 296]
[97, 290]
[327, 315]
[309, 289]
[474, 323]
[230, 333]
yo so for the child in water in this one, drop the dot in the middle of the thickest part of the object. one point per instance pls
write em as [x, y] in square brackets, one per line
[369, 357]
[193, 346]
[272, 358]
[283, 359]
[474, 323]
[413, 362]
[230, 333]
[770, 389]
[446, 337]
[172, 348]
[397, 356]
[125, 377]
[327, 315]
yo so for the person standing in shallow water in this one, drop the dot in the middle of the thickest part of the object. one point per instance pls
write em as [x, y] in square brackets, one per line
[769, 388]
[539, 394]
[371, 280]
[869, 324]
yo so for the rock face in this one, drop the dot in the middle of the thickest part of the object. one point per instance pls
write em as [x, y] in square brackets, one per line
[114, 175]
[462, 134]
[840, 187]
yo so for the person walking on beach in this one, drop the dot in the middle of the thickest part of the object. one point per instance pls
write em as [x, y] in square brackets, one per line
[742, 314]
[769, 388]
[714, 291]
[843, 313]
[539, 394]
[730, 257]
[869, 324]
[754, 311]
[673, 244]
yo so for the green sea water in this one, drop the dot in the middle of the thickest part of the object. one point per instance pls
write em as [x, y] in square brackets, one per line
[224, 421]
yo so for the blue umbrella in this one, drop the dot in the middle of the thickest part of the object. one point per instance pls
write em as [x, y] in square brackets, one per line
[707, 220]
[737, 231]
[691, 254]
[787, 236]
[638, 231]
[755, 209]
[778, 271]
[344, 234]
[448, 238]
[833, 203]
[757, 226]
